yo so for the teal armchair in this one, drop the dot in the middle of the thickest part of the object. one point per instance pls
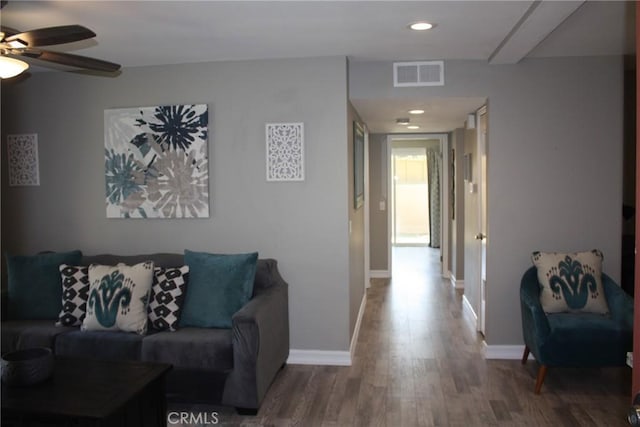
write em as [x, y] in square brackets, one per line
[575, 339]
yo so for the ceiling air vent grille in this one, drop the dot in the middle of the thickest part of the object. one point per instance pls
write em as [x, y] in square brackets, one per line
[424, 73]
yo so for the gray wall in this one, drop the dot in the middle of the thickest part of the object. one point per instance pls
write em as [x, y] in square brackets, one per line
[303, 225]
[456, 242]
[378, 225]
[554, 165]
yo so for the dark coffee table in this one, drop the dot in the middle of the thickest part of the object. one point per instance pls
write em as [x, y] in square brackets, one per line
[89, 392]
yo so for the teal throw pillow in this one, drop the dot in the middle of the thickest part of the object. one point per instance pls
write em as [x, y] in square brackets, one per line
[219, 286]
[35, 285]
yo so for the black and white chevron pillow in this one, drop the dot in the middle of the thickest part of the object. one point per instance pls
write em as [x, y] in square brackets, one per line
[167, 294]
[75, 291]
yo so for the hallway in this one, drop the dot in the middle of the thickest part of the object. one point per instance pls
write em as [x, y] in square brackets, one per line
[419, 363]
[419, 313]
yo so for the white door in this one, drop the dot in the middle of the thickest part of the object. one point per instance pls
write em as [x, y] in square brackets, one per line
[482, 213]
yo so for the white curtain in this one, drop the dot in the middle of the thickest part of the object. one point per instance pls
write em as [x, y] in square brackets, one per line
[434, 164]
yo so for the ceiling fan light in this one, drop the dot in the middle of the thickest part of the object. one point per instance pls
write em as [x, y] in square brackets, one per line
[10, 67]
[17, 44]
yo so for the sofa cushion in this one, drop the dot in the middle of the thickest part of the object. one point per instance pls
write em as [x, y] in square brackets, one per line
[75, 291]
[35, 286]
[21, 334]
[197, 348]
[585, 339]
[571, 282]
[110, 345]
[219, 285]
[119, 297]
[167, 294]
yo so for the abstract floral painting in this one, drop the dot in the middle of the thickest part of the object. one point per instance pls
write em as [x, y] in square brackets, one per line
[156, 162]
[22, 154]
[285, 151]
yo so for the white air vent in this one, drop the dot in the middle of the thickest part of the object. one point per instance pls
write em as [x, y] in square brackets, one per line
[425, 73]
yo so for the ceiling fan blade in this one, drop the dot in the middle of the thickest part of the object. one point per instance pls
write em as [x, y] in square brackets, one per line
[51, 35]
[71, 60]
[8, 31]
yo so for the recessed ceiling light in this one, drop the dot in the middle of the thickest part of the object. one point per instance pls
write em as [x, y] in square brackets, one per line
[421, 26]
[402, 121]
[416, 111]
[413, 127]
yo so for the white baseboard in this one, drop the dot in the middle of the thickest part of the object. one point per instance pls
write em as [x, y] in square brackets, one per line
[504, 352]
[380, 274]
[333, 358]
[356, 330]
[468, 313]
[457, 284]
[319, 357]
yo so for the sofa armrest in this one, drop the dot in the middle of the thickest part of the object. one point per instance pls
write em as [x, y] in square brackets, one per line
[535, 325]
[260, 336]
[620, 304]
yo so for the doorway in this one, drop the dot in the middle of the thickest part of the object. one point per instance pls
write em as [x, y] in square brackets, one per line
[417, 199]
[409, 197]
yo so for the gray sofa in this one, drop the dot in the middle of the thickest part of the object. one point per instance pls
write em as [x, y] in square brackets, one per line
[232, 367]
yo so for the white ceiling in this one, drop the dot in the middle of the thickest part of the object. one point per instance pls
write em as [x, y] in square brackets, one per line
[440, 114]
[142, 33]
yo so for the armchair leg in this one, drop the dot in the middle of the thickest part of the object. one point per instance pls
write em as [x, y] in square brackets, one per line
[525, 356]
[542, 371]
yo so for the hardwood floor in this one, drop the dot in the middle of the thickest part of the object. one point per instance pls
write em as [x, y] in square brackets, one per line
[419, 363]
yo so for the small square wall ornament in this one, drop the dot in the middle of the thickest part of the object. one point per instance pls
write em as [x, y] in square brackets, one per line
[22, 155]
[285, 151]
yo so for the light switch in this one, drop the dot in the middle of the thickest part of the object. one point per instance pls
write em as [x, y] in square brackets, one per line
[383, 205]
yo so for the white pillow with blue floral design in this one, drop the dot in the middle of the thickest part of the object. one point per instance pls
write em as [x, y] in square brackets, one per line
[118, 297]
[571, 282]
